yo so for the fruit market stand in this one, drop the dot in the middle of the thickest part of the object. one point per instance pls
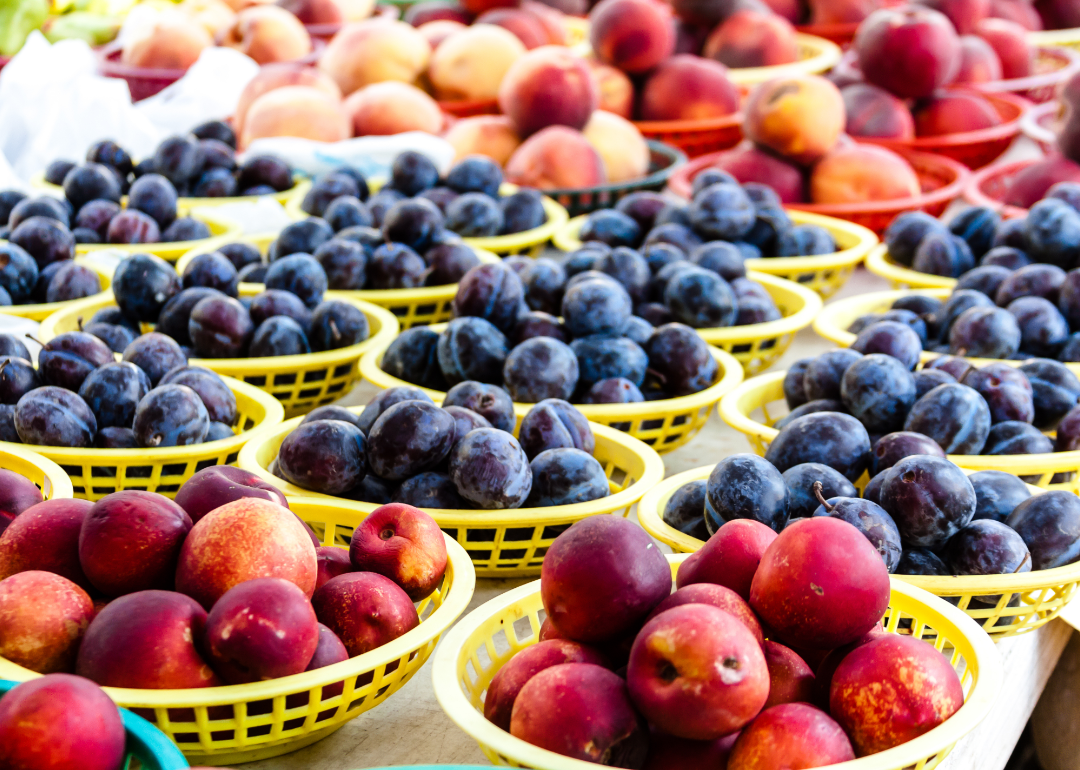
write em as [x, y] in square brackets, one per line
[411, 728]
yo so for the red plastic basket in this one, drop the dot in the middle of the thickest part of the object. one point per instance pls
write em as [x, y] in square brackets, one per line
[988, 186]
[695, 137]
[942, 180]
[142, 82]
[1040, 126]
[1053, 66]
[842, 34]
[467, 108]
[974, 149]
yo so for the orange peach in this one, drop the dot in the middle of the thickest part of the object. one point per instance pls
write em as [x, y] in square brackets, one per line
[616, 90]
[548, 86]
[300, 111]
[1009, 41]
[1022, 12]
[718, 596]
[267, 34]
[42, 620]
[243, 540]
[750, 38]
[841, 11]
[790, 735]
[556, 158]
[859, 173]
[979, 63]
[328, 11]
[910, 51]
[435, 32]
[278, 75]
[525, 26]
[950, 113]
[404, 544]
[375, 50]
[490, 135]
[174, 42]
[801, 117]
[392, 108]
[46, 537]
[874, 112]
[214, 15]
[687, 87]
[633, 35]
[552, 18]
[620, 145]
[472, 63]
[964, 14]
[365, 610]
[729, 558]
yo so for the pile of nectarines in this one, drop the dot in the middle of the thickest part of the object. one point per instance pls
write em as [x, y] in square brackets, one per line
[627, 673]
[224, 585]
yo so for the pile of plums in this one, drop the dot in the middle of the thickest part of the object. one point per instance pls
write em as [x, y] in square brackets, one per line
[80, 396]
[402, 448]
[419, 209]
[627, 673]
[225, 585]
[37, 260]
[200, 164]
[597, 353]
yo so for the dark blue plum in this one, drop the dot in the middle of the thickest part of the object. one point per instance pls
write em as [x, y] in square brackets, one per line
[552, 424]
[413, 357]
[413, 222]
[794, 391]
[805, 241]
[300, 274]
[1005, 256]
[869, 518]
[413, 172]
[891, 338]
[595, 307]
[1055, 389]
[722, 212]
[1007, 392]
[600, 358]
[615, 390]
[345, 264]
[810, 407]
[985, 278]
[800, 481]
[430, 489]
[17, 378]
[474, 215]
[997, 494]
[612, 228]
[541, 368]
[142, 284]
[113, 393]
[1052, 233]
[385, 399]
[543, 281]
[278, 336]
[408, 438]
[680, 362]
[823, 376]
[336, 324]
[1050, 527]
[489, 401]
[67, 359]
[325, 456]
[303, 237]
[943, 254]
[745, 486]
[472, 349]
[701, 299]
[493, 293]
[154, 196]
[566, 476]
[836, 440]
[52, 416]
[171, 415]
[490, 470]
[955, 416]
[1016, 438]
[18, 272]
[219, 400]
[211, 270]
[685, 510]
[475, 173]
[522, 211]
[906, 232]
[921, 561]
[326, 189]
[977, 225]
[929, 498]
[1044, 281]
[878, 390]
[721, 258]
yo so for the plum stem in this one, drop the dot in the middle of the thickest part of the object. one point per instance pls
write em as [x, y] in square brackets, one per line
[80, 323]
[657, 375]
[334, 329]
[1025, 560]
[818, 488]
[35, 340]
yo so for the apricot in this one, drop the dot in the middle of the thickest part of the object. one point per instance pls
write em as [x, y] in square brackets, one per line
[697, 672]
[42, 619]
[261, 629]
[601, 578]
[435, 32]
[979, 63]
[860, 173]
[504, 688]
[365, 610]
[471, 64]
[267, 34]
[526, 27]
[633, 35]
[687, 87]
[130, 541]
[666, 752]
[555, 158]
[17, 493]
[392, 108]
[595, 721]
[147, 641]
[964, 14]
[819, 586]
[748, 163]
[1031, 183]
[790, 678]
[174, 41]
[490, 135]
[404, 544]
[244, 540]
[332, 561]
[800, 117]
[952, 113]
[60, 721]
[300, 111]
[548, 86]
[910, 51]
[373, 51]
[616, 90]
[277, 75]
[717, 596]
[750, 38]
[1009, 41]
[874, 112]
[620, 145]
[892, 690]
[790, 735]
[729, 558]
[46, 537]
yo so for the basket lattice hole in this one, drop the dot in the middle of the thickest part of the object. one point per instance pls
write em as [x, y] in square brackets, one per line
[523, 629]
[471, 675]
[552, 532]
[482, 535]
[500, 644]
[517, 534]
[258, 381]
[512, 553]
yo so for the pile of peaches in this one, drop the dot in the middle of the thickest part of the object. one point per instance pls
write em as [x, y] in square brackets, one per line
[223, 586]
[643, 677]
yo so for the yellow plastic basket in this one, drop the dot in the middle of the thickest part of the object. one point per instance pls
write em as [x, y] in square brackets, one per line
[1067, 38]
[412, 307]
[49, 477]
[664, 425]
[299, 383]
[223, 230]
[1041, 595]
[95, 473]
[825, 274]
[900, 277]
[485, 639]
[44, 310]
[248, 722]
[503, 543]
[529, 242]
